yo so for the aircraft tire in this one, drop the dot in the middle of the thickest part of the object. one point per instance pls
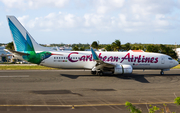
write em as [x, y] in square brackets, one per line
[93, 72]
[162, 72]
[100, 73]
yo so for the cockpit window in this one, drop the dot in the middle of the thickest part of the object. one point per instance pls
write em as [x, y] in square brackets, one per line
[170, 58]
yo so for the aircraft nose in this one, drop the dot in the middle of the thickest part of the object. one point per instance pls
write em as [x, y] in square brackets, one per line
[176, 62]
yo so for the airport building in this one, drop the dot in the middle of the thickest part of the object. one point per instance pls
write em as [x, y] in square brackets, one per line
[178, 53]
[4, 56]
[64, 48]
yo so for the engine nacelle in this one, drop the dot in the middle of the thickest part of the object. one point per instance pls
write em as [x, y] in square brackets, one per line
[123, 69]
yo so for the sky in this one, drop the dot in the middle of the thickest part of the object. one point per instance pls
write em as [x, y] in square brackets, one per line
[85, 21]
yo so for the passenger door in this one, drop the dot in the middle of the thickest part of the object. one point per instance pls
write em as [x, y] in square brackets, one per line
[162, 60]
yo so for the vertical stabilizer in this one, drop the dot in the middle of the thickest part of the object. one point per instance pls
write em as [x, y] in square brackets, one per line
[23, 41]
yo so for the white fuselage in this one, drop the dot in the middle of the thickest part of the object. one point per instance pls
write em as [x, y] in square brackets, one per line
[84, 60]
[26, 48]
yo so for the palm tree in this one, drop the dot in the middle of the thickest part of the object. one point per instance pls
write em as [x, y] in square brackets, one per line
[10, 46]
[95, 45]
[116, 45]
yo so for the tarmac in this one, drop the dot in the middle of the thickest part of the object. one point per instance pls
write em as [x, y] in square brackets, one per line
[77, 91]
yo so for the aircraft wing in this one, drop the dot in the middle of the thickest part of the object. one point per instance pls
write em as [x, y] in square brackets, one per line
[16, 52]
[100, 63]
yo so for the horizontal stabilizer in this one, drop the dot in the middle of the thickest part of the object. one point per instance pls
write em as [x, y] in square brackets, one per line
[16, 52]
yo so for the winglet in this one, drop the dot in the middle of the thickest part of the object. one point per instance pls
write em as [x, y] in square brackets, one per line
[95, 56]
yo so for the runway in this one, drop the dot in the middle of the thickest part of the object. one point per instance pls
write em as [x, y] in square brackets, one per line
[47, 91]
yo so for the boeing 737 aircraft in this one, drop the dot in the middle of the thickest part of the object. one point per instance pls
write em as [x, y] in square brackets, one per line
[98, 62]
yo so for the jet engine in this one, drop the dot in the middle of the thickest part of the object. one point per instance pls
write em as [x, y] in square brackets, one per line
[123, 69]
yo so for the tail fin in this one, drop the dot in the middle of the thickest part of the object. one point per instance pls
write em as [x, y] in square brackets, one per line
[23, 41]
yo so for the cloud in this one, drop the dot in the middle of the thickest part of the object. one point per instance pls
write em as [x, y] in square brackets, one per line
[153, 6]
[34, 4]
[131, 15]
[146, 15]
[1, 24]
[47, 3]
[92, 20]
[100, 15]
[105, 6]
[54, 21]
[161, 23]
[14, 3]
[23, 19]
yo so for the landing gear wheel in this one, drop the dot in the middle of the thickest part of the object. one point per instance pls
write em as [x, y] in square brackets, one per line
[93, 72]
[162, 72]
[100, 73]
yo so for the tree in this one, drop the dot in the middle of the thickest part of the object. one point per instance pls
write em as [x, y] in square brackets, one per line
[113, 46]
[75, 48]
[152, 108]
[141, 47]
[116, 45]
[127, 46]
[153, 48]
[108, 48]
[168, 51]
[177, 101]
[82, 48]
[135, 47]
[162, 49]
[95, 45]
[10, 46]
[132, 108]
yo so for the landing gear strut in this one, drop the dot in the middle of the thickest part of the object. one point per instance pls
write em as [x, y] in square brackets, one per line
[162, 72]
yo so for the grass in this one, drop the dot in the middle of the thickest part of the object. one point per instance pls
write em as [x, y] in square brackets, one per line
[37, 67]
[177, 67]
[25, 67]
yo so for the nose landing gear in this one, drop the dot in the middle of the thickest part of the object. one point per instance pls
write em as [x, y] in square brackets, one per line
[162, 72]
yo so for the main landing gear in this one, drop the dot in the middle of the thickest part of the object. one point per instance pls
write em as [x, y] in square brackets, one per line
[100, 73]
[97, 72]
[93, 72]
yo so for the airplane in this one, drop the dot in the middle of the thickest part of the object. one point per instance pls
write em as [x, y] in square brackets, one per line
[26, 48]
